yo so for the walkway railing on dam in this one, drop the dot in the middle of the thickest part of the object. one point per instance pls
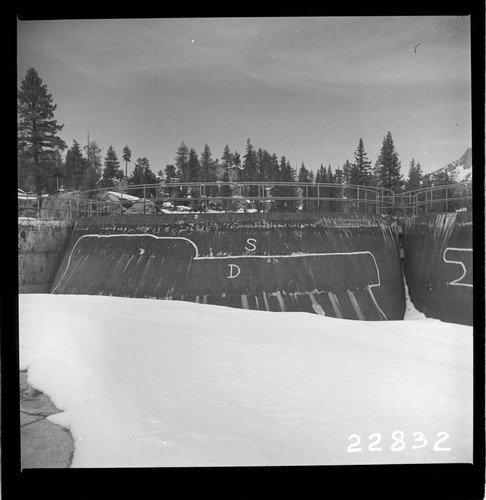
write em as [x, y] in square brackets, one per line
[247, 197]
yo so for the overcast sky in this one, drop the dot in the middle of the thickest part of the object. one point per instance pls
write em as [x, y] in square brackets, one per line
[306, 88]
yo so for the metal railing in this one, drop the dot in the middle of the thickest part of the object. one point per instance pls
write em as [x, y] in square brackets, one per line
[248, 196]
[445, 198]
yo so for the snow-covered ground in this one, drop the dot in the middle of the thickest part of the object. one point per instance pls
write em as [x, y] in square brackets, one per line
[144, 382]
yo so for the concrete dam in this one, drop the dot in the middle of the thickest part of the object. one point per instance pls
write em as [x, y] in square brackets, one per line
[349, 266]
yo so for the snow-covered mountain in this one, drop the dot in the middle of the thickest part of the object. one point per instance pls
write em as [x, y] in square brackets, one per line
[461, 169]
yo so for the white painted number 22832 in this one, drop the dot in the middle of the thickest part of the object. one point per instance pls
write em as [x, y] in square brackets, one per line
[399, 442]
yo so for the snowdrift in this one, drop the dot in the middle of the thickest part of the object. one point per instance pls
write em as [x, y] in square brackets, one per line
[149, 383]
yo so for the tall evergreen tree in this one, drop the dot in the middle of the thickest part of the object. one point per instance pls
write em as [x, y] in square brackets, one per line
[339, 176]
[94, 156]
[387, 166]
[127, 156]
[321, 175]
[236, 159]
[361, 169]
[271, 170]
[170, 172]
[111, 170]
[250, 168]
[181, 162]
[347, 172]
[304, 176]
[285, 174]
[38, 143]
[227, 158]
[193, 171]
[207, 166]
[142, 174]
[332, 191]
[74, 168]
[415, 176]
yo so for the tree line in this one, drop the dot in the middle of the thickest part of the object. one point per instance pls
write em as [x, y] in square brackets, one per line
[41, 168]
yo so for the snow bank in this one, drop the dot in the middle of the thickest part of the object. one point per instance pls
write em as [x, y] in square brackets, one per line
[411, 313]
[163, 383]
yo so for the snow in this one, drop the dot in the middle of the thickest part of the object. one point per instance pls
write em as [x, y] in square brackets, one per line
[149, 383]
[462, 174]
[123, 196]
[411, 313]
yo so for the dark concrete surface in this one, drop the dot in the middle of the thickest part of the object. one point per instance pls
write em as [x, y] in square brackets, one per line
[438, 264]
[342, 265]
[42, 443]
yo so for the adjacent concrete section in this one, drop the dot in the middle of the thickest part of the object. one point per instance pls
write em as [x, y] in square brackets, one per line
[43, 444]
[41, 247]
[345, 265]
[438, 265]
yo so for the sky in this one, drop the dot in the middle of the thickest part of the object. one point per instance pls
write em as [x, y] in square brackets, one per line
[207, 385]
[307, 88]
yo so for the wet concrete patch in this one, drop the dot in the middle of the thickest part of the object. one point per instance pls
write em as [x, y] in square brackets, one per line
[43, 444]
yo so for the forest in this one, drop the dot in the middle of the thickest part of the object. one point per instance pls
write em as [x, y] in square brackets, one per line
[47, 165]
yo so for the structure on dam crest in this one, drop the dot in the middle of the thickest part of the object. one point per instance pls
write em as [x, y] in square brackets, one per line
[343, 265]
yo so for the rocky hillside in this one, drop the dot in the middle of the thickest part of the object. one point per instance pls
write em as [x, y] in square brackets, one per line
[461, 169]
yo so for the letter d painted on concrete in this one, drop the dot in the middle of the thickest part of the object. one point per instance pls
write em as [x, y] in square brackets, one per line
[231, 275]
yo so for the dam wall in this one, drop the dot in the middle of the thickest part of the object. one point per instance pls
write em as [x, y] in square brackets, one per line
[438, 264]
[41, 248]
[340, 265]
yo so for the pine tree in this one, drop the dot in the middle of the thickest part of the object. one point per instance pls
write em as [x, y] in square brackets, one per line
[94, 156]
[387, 166]
[227, 158]
[415, 176]
[250, 168]
[271, 170]
[74, 168]
[339, 176]
[38, 143]
[312, 192]
[321, 175]
[181, 162]
[142, 174]
[127, 156]
[304, 176]
[332, 191]
[237, 159]
[170, 172]
[207, 165]
[193, 168]
[285, 174]
[112, 170]
[361, 168]
[321, 178]
[346, 172]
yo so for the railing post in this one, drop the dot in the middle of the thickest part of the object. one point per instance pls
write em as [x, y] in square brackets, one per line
[447, 198]
[144, 199]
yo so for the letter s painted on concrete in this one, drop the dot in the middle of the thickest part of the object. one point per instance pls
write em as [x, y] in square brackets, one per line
[251, 241]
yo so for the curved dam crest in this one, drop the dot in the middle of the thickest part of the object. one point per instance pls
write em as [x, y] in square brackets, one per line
[346, 266]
